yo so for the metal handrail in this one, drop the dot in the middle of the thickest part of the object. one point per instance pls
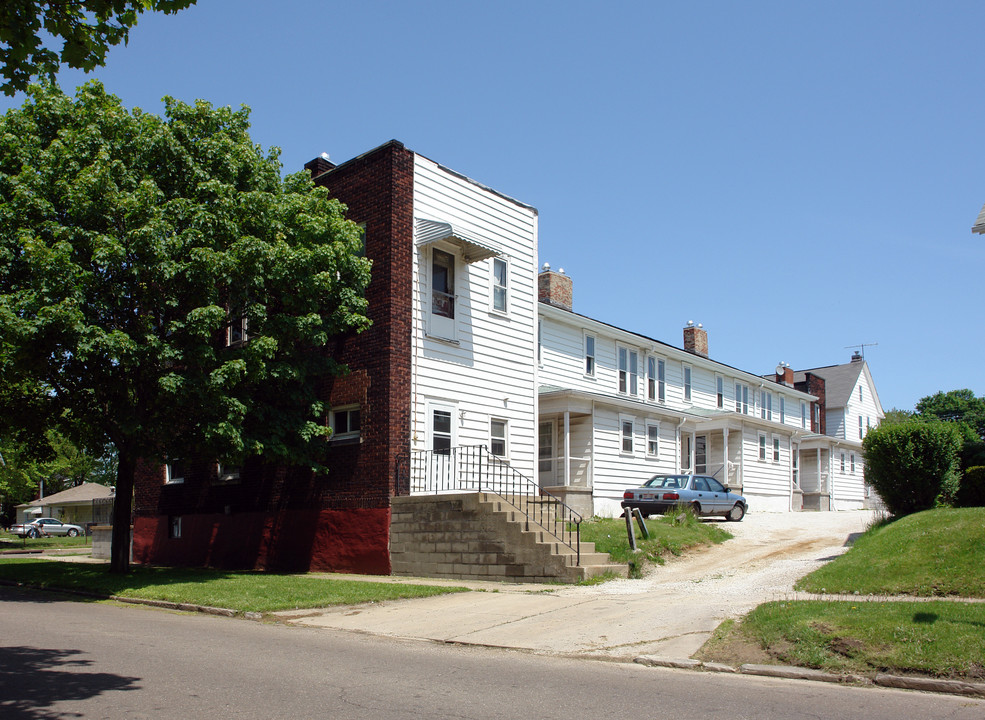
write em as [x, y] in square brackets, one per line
[474, 468]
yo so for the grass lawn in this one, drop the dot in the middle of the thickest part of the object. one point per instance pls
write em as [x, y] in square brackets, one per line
[667, 537]
[928, 554]
[932, 553]
[242, 591]
[12, 542]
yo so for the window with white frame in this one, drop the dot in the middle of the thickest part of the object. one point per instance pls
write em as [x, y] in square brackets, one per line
[803, 414]
[500, 284]
[174, 471]
[795, 462]
[719, 391]
[742, 398]
[661, 380]
[628, 371]
[651, 378]
[765, 405]
[776, 449]
[442, 430]
[236, 331]
[861, 430]
[817, 417]
[762, 447]
[852, 458]
[626, 434]
[860, 393]
[225, 473]
[783, 409]
[344, 422]
[843, 462]
[497, 437]
[590, 355]
[174, 526]
[686, 370]
[652, 439]
[545, 447]
[443, 300]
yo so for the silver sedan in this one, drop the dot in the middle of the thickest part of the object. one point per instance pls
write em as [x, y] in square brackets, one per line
[703, 494]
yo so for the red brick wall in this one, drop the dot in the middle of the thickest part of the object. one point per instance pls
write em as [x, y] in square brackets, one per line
[289, 517]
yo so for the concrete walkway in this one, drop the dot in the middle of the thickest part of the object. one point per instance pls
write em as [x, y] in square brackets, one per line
[670, 613]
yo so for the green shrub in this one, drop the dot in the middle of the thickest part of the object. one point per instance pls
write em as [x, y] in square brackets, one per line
[971, 492]
[913, 465]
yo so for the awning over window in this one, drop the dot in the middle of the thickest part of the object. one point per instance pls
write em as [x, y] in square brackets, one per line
[473, 248]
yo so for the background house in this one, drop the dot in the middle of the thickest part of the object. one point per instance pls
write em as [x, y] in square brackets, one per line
[79, 505]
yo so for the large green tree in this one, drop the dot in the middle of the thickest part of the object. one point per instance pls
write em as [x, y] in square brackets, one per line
[86, 28]
[135, 252]
[967, 412]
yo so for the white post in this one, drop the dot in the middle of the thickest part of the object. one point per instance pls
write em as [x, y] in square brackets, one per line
[567, 448]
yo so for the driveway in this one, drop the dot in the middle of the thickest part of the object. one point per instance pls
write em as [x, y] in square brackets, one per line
[670, 613]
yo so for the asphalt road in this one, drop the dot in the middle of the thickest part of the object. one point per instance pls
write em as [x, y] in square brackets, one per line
[69, 659]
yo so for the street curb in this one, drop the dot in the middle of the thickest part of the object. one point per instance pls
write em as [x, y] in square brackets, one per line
[789, 672]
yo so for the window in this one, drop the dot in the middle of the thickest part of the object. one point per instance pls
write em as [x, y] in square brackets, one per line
[719, 392]
[803, 414]
[687, 382]
[442, 323]
[783, 409]
[441, 431]
[590, 355]
[651, 378]
[626, 431]
[345, 422]
[236, 333]
[500, 279]
[174, 526]
[794, 459]
[497, 437]
[860, 393]
[843, 462]
[861, 431]
[652, 439]
[661, 380]
[762, 447]
[776, 449]
[227, 473]
[765, 405]
[545, 447]
[853, 463]
[817, 418]
[742, 398]
[174, 471]
[628, 371]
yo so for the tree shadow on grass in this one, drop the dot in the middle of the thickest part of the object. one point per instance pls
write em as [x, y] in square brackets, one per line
[33, 679]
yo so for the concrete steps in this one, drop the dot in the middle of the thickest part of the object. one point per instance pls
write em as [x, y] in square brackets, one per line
[481, 536]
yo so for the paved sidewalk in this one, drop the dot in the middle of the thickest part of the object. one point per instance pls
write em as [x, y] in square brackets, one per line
[670, 613]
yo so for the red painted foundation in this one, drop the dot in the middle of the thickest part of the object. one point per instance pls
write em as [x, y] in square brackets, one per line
[353, 541]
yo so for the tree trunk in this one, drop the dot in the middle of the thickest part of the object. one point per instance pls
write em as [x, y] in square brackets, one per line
[122, 512]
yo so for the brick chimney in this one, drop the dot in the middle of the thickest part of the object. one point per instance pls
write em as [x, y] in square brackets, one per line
[695, 339]
[554, 288]
[319, 165]
[784, 374]
[857, 357]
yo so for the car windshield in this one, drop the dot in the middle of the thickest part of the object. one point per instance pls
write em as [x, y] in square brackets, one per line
[666, 481]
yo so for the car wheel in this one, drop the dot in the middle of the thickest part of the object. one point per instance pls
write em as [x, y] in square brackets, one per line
[736, 513]
[32, 533]
[73, 533]
[696, 508]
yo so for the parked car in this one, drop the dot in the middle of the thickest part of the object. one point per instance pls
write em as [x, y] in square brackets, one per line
[705, 495]
[45, 526]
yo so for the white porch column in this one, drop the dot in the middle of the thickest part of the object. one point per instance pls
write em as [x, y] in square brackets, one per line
[567, 448]
[725, 454]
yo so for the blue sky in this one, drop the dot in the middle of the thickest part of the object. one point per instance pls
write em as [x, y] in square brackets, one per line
[798, 177]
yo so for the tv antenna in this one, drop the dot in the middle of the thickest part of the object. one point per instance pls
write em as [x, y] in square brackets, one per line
[861, 348]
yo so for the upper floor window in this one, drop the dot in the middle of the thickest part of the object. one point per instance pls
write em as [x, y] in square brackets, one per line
[590, 355]
[742, 398]
[661, 380]
[628, 371]
[861, 428]
[500, 280]
[687, 382]
[803, 414]
[236, 331]
[783, 409]
[345, 422]
[766, 405]
[720, 392]
[843, 462]
[226, 473]
[174, 471]
[817, 418]
[497, 437]
[442, 295]
[860, 393]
